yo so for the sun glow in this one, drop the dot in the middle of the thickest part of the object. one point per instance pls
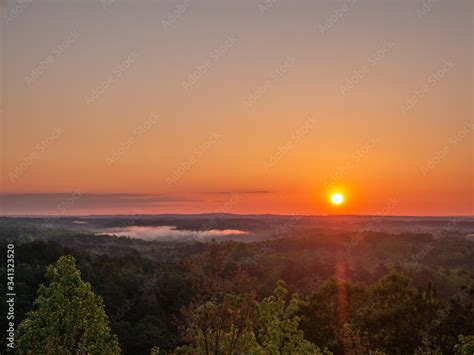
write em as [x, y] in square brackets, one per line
[337, 198]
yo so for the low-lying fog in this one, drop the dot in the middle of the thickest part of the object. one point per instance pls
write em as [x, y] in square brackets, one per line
[167, 233]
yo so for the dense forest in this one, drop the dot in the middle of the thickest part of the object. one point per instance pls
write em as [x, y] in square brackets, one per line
[328, 291]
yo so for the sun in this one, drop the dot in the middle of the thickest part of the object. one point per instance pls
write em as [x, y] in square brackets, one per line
[337, 198]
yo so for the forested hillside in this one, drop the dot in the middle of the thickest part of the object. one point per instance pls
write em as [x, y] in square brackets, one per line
[391, 293]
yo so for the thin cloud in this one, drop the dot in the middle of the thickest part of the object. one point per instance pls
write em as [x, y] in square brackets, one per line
[52, 202]
[247, 192]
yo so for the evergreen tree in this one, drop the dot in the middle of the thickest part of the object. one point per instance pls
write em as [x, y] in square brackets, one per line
[67, 318]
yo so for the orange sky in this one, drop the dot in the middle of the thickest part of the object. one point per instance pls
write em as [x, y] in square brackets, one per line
[278, 105]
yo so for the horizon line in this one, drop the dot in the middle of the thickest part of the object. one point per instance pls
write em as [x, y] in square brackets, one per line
[228, 214]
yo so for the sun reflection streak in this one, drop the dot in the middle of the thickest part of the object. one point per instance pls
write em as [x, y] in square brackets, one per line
[342, 298]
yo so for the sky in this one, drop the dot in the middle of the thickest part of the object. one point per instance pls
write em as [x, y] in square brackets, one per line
[236, 106]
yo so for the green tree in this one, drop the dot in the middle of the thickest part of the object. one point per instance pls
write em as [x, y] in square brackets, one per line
[278, 331]
[221, 328]
[322, 316]
[67, 318]
[239, 325]
[396, 316]
[220, 318]
[465, 345]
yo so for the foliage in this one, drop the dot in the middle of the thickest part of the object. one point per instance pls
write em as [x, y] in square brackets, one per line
[322, 315]
[67, 317]
[160, 293]
[221, 328]
[233, 322]
[220, 317]
[278, 331]
[395, 310]
[465, 345]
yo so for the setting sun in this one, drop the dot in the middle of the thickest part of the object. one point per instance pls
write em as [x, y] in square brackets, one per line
[337, 198]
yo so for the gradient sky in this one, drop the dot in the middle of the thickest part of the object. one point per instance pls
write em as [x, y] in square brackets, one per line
[237, 106]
